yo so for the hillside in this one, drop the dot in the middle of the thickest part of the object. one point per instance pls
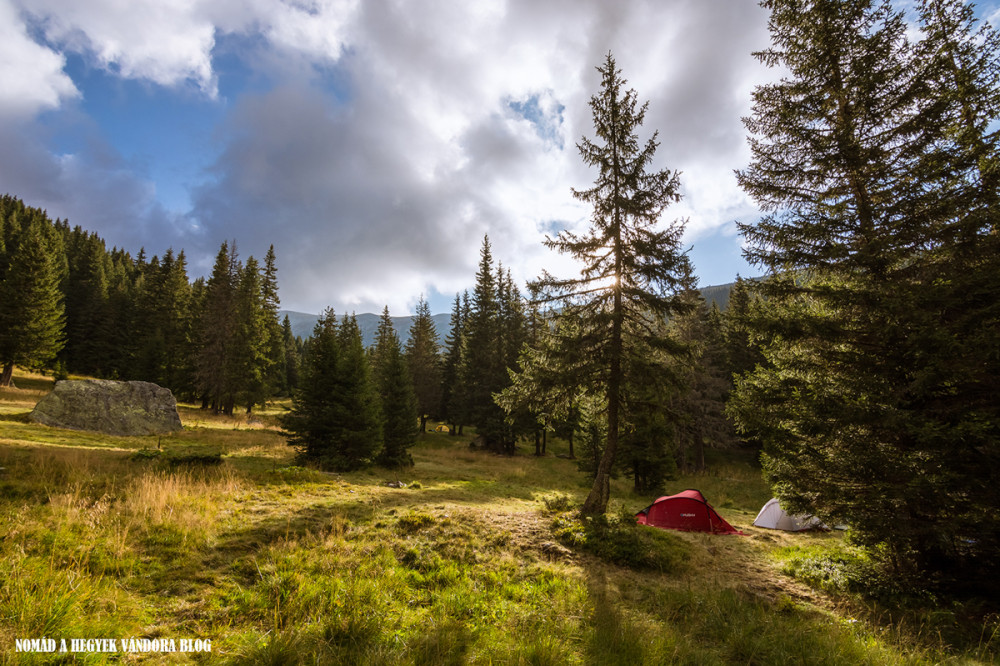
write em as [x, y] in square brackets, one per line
[303, 323]
[474, 560]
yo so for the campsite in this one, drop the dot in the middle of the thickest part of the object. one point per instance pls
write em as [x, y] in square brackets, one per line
[500, 333]
[475, 559]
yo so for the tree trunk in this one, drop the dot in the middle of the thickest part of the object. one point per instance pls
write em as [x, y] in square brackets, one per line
[596, 503]
[571, 454]
[7, 376]
[545, 440]
[423, 423]
[699, 452]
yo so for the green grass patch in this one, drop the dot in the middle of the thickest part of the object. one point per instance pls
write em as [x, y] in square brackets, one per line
[282, 564]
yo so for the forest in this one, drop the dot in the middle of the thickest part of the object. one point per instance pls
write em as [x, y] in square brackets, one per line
[859, 376]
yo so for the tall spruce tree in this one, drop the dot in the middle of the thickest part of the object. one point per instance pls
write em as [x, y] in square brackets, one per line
[423, 358]
[312, 426]
[335, 419]
[482, 371]
[873, 159]
[292, 356]
[31, 304]
[631, 269]
[359, 432]
[276, 379]
[451, 388]
[86, 303]
[250, 356]
[216, 329]
[395, 389]
[698, 408]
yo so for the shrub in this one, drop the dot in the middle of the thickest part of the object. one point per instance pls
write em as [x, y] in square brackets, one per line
[619, 540]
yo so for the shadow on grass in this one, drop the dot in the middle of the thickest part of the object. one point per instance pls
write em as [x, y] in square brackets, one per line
[314, 519]
[18, 417]
[655, 622]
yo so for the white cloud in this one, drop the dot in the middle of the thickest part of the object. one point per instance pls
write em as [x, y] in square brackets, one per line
[31, 76]
[167, 44]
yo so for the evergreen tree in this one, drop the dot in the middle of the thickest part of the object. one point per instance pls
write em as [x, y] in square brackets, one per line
[546, 388]
[85, 290]
[276, 380]
[631, 269]
[249, 358]
[162, 327]
[424, 362]
[359, 434]
[121, 306]
[381, 349]
[483, 372]
[216, 330]
[335, 417]
[293, 352]
[313, 424]
[451, 390]
[697, 409]
[874, 157]
[31, 304]
[395, 388]
[740, 353]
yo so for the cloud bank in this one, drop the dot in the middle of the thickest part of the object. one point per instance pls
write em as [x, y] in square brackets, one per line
[374, 143]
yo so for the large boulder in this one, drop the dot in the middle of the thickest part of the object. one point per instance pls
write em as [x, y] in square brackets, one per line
[114, 408]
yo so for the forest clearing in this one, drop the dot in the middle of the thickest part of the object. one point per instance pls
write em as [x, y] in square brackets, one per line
[470, 562]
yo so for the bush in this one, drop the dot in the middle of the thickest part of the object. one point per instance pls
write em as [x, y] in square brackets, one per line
[619, 540]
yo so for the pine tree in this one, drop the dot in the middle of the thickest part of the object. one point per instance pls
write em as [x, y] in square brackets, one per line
[451, 390]
[874, 159]
[313, 424]
[424, 362]
[31, 304]
[216, 328]
[359, 433]
[335, 416]
[381, 349]
[698, 407]
[276, 380]
[482, 372]
[249, 357]
[395, 388]
[290, 379]
[88, 333]
[631, 270]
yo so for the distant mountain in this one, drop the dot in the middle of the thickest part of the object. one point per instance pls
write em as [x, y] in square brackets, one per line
[303, 324]
[718, 294]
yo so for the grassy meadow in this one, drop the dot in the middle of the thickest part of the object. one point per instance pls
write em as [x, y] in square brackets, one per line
[215, 533]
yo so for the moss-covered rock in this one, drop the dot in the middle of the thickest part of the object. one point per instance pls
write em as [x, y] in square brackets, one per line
[111, 407]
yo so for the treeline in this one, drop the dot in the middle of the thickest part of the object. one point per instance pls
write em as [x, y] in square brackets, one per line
[70, 305]
[357, 407]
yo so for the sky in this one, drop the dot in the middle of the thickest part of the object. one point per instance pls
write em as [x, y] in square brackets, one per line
[373, 142]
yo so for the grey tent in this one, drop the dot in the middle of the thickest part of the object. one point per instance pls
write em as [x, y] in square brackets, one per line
[772, 516]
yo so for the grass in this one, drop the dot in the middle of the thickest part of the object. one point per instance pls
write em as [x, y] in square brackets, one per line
[475, 560]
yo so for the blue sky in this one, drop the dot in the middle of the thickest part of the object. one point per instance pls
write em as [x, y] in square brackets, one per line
[373, 143]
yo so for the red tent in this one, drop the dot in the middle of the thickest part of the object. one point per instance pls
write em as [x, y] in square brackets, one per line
[686, 511]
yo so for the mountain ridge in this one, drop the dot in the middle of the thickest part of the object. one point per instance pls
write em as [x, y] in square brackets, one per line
[303, 323]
